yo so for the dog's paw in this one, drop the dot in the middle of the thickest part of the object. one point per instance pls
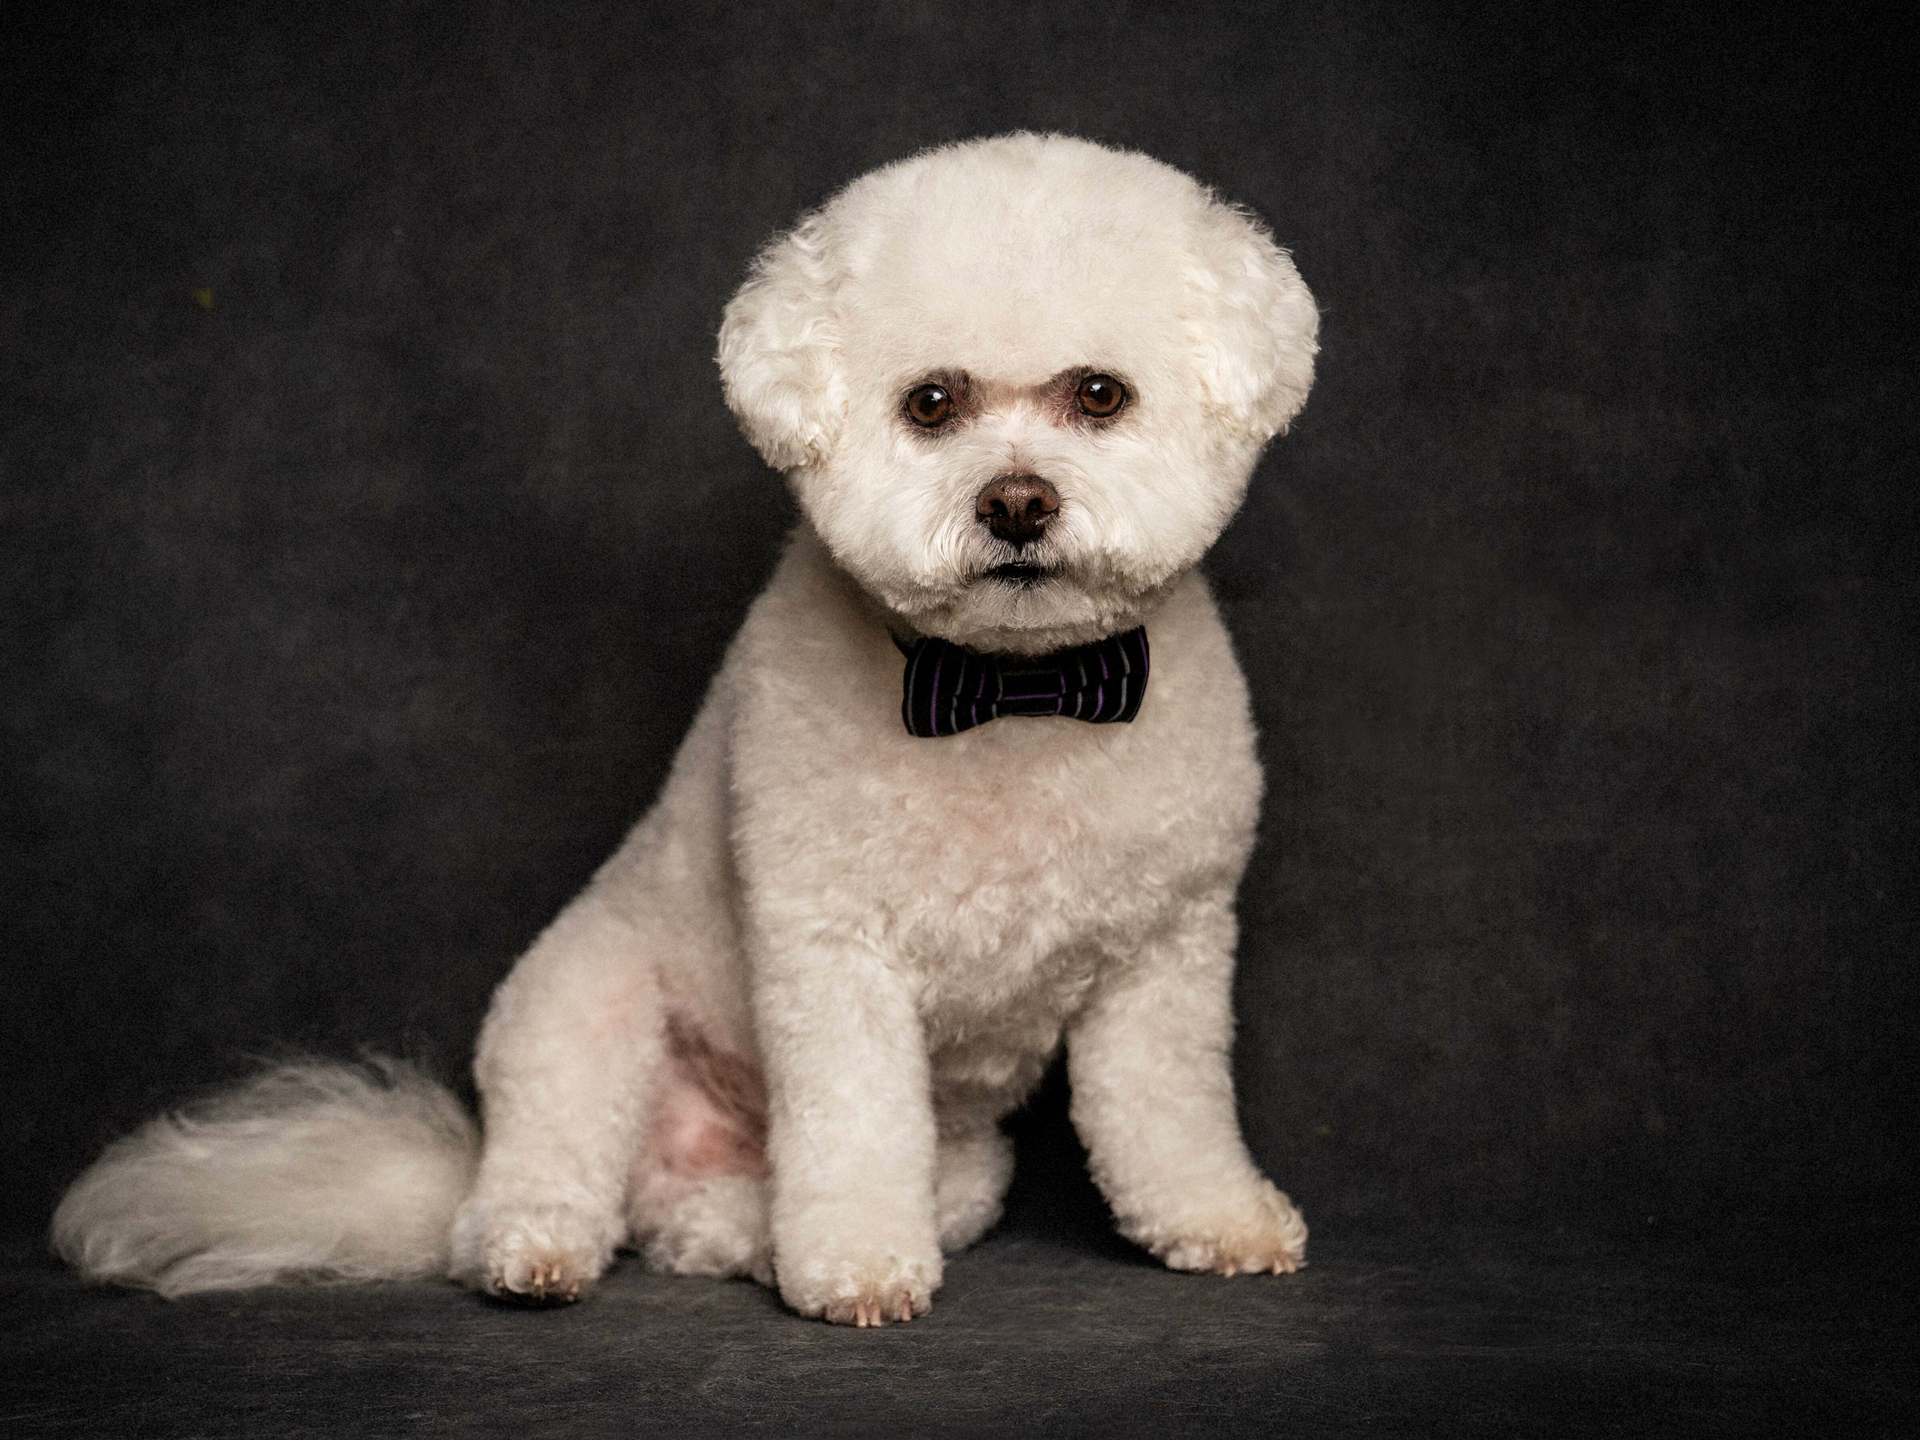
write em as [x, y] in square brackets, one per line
[718, 1227]
[1268, 1238]
[877, 1304]
[541, 1255]
[878, 1293]
[550, 1279]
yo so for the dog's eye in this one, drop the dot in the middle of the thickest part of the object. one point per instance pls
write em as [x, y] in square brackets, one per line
[1101, 396]
[929, 405]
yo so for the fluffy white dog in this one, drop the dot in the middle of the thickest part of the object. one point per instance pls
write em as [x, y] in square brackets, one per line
[1018, 387]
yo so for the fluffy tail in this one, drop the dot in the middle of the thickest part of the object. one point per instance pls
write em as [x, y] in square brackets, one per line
[310, 1170]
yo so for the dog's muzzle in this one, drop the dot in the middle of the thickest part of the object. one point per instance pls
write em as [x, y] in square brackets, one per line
[1017, 508]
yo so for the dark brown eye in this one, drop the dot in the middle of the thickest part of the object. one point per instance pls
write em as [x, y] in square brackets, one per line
[929, 405]
[1101, 396]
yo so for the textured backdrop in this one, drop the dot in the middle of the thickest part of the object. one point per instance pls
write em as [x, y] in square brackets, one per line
[371, 522]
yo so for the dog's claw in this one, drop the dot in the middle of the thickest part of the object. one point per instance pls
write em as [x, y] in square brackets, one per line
[871, 1310]
[545, 1284]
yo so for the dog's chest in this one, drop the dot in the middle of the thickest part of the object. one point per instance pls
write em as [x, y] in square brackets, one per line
[1003, 866]
[1004, 863]
[1011, 871]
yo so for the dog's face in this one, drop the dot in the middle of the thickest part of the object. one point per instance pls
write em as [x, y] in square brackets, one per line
[1019, 385]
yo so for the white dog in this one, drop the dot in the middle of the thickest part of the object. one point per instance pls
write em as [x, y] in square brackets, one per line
[1018, 387]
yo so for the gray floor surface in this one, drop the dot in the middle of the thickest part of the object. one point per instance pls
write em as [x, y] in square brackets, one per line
[1479, 1334]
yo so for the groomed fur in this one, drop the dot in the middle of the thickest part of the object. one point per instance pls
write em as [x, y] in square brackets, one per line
[777, 1033]
[309, 1170]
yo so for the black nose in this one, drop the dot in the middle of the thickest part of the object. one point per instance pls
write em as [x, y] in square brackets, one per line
[1016, 508]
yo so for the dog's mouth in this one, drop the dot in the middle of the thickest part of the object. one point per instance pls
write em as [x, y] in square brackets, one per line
[1020, 574]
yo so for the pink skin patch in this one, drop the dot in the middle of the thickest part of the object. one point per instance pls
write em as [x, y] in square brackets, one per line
[712, 1116]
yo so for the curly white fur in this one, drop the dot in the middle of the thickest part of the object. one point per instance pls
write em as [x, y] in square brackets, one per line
[310, 1169]
[777, 1033]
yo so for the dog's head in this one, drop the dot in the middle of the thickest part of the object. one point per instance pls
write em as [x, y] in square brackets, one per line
[1018, 385]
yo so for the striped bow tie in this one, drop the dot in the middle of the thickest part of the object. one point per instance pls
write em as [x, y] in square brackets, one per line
[950, 689]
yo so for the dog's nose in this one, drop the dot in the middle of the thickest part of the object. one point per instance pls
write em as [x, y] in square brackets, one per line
[1016, 508]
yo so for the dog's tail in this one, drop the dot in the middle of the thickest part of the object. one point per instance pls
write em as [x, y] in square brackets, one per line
[309, 1170]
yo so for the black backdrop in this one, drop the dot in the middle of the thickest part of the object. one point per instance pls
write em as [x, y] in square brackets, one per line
[372, 522]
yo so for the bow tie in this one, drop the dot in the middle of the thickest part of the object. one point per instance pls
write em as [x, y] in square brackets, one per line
[950, 689]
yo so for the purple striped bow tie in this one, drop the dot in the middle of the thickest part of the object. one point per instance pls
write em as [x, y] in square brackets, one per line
[950, 689]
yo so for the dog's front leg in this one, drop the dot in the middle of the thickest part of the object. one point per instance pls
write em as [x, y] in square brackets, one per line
[1153, 1101]
[850, 1134]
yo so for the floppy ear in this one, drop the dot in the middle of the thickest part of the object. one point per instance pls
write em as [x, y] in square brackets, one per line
[780, 353]
[1257, 353]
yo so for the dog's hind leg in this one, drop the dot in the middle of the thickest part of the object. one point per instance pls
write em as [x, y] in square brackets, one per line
[580, 1041]
[715, 1226]
[972, 1170]
[567, 1064]
[699, 1198]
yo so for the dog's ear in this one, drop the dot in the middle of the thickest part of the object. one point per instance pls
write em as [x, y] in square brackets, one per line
[1257, 354]
[779, 350]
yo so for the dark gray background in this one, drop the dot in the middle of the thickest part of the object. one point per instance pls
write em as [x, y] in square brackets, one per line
[348, 622]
